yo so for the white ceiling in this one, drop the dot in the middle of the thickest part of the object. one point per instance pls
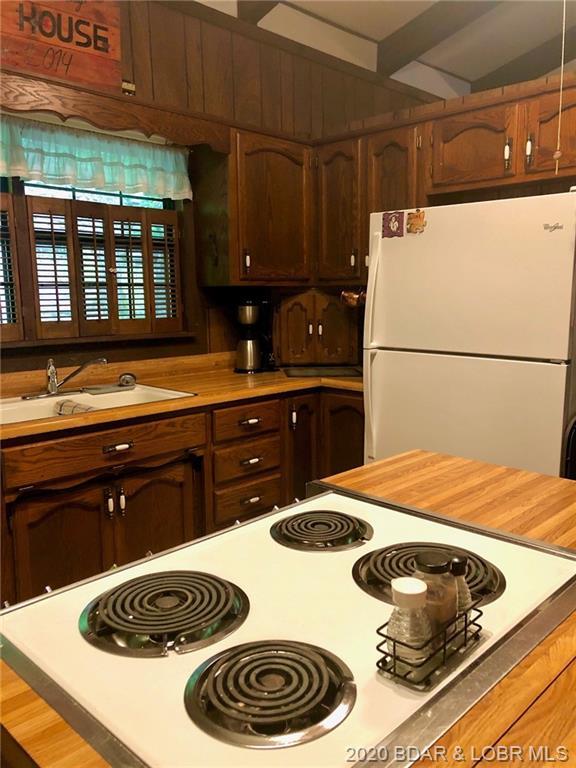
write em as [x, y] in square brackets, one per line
[501, 35]
[375, 19]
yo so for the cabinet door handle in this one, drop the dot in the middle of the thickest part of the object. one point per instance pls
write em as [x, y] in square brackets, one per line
[320, 330]
[249, 422]
[122, 502]
[366, 260]
[247, 259]
[251, 462]
[48, 588]
[310, 329]
[109, 503]
[251, 500]
[528, 150]
[508, 154]
[293, 418]
[353, 258]
[118, 447]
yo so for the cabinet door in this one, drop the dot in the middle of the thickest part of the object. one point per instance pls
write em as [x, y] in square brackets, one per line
[274, 208]
[339, 211]
[61, 537]
[541, 128]
[390, 159]
[473, 146]
[337, 331]
[155, 511]
[301, 444]
[296, 329]
[342, 443]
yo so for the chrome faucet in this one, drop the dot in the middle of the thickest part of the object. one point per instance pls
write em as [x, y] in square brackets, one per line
[53, 386]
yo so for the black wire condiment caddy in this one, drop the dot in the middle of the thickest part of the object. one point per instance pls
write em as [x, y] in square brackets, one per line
[448, 648]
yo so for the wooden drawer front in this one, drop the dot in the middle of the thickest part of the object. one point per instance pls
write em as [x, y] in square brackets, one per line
[247, 499]
[70, 456]
[249, 419]
[246, 458]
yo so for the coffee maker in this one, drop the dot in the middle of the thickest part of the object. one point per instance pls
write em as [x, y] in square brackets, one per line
[249, 349]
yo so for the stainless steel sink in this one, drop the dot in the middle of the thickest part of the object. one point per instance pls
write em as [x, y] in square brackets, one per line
[14, 409]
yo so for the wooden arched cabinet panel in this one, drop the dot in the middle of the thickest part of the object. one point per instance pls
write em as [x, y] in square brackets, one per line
[541, 127]
[342, 420]
[61, 537]
[274, 208]
[339, 189]
[470, 147]
[391, 170]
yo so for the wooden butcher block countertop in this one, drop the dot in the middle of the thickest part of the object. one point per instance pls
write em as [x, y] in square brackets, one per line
[534, 705]
[210, 377]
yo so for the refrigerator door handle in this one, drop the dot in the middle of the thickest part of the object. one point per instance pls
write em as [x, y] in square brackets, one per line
[369, 417]
[375, 255]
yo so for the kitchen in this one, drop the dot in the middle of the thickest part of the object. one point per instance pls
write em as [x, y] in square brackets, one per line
[273, 127]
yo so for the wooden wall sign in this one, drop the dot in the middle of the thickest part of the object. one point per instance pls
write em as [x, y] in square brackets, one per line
[77, 41]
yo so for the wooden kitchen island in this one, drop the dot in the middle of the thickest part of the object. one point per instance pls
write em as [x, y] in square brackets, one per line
[534, 705]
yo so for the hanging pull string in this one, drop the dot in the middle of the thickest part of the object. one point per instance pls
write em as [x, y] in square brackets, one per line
[558, 154]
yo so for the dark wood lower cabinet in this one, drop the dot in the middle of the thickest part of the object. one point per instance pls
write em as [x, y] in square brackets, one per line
[302, 444]
[342, 445]
[160, 511]
[61, 537]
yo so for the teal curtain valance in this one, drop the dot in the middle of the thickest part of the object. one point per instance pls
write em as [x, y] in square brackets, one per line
[57, 155]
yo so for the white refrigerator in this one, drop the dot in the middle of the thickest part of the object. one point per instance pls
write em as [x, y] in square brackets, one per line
[469, 330]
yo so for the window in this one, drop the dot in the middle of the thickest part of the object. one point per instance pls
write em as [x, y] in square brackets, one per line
[95, 196]
[10, 312]
[102, 270]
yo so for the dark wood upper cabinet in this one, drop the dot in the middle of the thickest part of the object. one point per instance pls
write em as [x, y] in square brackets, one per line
[295, 329]
[274, 208]
[390, 176]
[474, 146]
[337, 331]
[339, 224]
[315, 327]
[541, 130]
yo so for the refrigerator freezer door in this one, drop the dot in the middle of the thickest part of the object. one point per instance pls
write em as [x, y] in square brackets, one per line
[491, 278]
[503, 411]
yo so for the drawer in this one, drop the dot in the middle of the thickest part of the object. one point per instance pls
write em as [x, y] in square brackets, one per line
[247, 499]
[246, 458]
[70, 456]
[249, 419]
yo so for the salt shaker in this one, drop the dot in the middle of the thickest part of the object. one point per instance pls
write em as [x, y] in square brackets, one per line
[409, 622]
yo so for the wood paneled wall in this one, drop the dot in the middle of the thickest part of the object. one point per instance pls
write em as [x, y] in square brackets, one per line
[187, 57]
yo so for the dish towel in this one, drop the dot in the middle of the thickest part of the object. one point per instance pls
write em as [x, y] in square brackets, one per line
[67, 407]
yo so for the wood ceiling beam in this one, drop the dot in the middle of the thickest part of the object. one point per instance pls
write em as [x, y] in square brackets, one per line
[254, 10]
[426, 31]
[531, 65]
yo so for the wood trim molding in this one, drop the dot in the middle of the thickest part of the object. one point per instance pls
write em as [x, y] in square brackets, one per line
[21, 94]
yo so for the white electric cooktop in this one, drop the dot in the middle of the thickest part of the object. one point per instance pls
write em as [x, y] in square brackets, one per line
[309, 597]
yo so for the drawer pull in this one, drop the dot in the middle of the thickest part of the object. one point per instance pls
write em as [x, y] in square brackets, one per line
[48, 588]
[251, 462]
[250, 422]
[252, 500]
[118, 447]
